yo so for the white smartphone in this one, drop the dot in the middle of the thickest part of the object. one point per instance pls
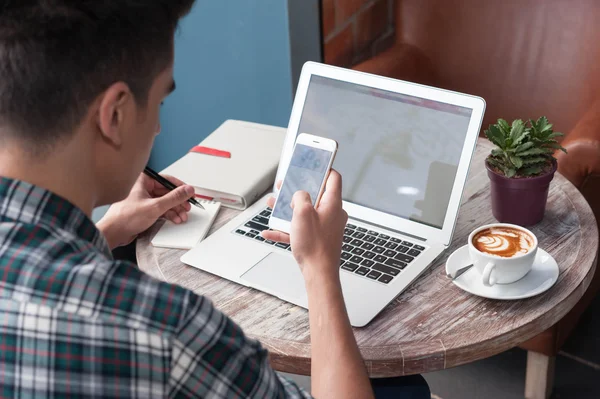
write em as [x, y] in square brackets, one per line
[308, 171]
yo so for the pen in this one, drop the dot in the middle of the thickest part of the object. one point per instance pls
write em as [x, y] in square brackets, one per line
[168, 184]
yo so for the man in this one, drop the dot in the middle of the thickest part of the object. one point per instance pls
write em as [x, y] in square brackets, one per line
[81, 83]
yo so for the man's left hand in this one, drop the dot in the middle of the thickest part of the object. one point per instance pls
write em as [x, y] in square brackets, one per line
[147, 202]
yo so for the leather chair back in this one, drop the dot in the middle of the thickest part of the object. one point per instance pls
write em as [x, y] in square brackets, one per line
[527, 58]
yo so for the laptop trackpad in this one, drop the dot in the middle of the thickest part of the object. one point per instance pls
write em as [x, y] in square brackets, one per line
[278, 275]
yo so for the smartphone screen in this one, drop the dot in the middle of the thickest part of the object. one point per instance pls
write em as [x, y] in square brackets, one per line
[306, 172]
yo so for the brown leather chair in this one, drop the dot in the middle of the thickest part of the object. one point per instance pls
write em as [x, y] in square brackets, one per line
[527, 58]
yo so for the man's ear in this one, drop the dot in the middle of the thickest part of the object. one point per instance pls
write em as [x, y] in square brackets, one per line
[115, 102]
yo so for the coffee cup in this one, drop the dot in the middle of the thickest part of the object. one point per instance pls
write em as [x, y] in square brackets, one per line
[502, 253]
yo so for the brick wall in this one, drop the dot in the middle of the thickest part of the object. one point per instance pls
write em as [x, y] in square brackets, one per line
[355, 30]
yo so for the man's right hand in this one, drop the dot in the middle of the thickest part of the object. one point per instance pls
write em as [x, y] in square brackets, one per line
[337, 368]
[316, 234]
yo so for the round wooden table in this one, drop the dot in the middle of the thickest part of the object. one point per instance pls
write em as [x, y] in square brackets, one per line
[433, 325]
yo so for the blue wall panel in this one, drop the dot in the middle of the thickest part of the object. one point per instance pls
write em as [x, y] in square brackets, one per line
[232, 61]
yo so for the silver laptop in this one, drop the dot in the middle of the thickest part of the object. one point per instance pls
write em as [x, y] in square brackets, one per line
[404, 154]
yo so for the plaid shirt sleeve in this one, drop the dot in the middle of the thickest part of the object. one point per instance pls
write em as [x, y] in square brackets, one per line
[211, 356]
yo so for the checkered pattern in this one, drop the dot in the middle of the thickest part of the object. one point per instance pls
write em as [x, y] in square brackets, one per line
[76, 323]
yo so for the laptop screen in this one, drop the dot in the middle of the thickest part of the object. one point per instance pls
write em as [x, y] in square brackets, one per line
[397, 154]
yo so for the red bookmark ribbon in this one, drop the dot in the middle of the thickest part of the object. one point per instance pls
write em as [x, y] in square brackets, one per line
[211, 151]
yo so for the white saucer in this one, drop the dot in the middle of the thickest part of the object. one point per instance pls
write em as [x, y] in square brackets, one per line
[541, 278]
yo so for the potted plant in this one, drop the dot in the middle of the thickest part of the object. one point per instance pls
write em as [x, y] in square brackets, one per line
[520, 168]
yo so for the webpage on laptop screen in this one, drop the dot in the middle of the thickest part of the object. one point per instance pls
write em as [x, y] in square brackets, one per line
[397, 154]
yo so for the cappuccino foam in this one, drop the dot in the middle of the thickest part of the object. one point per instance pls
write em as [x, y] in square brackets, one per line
[503, 241]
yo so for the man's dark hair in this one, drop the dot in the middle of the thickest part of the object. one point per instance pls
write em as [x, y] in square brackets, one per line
[57, 56]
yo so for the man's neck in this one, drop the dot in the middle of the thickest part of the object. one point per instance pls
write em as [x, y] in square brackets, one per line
[64, 173]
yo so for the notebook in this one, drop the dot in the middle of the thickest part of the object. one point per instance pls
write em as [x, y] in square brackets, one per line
[187, 235]
[238, 165]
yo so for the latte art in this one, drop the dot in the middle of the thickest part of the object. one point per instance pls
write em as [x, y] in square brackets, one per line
[503, 241]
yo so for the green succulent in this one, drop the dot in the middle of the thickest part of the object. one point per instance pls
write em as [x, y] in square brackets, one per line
[523, 148]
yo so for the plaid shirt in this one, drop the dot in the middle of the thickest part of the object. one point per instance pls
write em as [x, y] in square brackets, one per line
[76, 323]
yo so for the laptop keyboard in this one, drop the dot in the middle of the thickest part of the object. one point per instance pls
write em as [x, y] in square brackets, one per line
[368, 253]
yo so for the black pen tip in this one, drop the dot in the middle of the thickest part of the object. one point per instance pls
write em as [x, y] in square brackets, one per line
[196, 203]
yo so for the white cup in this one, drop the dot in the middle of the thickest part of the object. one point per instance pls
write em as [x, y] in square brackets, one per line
[499, 270]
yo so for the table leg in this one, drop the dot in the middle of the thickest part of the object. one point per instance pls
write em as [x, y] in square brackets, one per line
[539, 379]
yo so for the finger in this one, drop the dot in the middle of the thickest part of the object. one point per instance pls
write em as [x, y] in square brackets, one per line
[333, 188]
[186, 207]
[276, 236]
[300, 198]
[183, 215]
[160, 192]
[180, 210]
[183, 208]
[271, 200]
[173, 216]
[172, 199]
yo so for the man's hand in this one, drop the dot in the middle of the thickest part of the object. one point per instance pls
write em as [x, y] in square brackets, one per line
[337, 368]
[316, 234]
[147, 202]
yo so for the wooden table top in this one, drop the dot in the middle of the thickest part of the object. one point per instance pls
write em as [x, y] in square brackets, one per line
[433, 325]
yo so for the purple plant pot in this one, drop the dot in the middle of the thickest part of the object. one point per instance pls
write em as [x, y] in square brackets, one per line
[519, 201]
